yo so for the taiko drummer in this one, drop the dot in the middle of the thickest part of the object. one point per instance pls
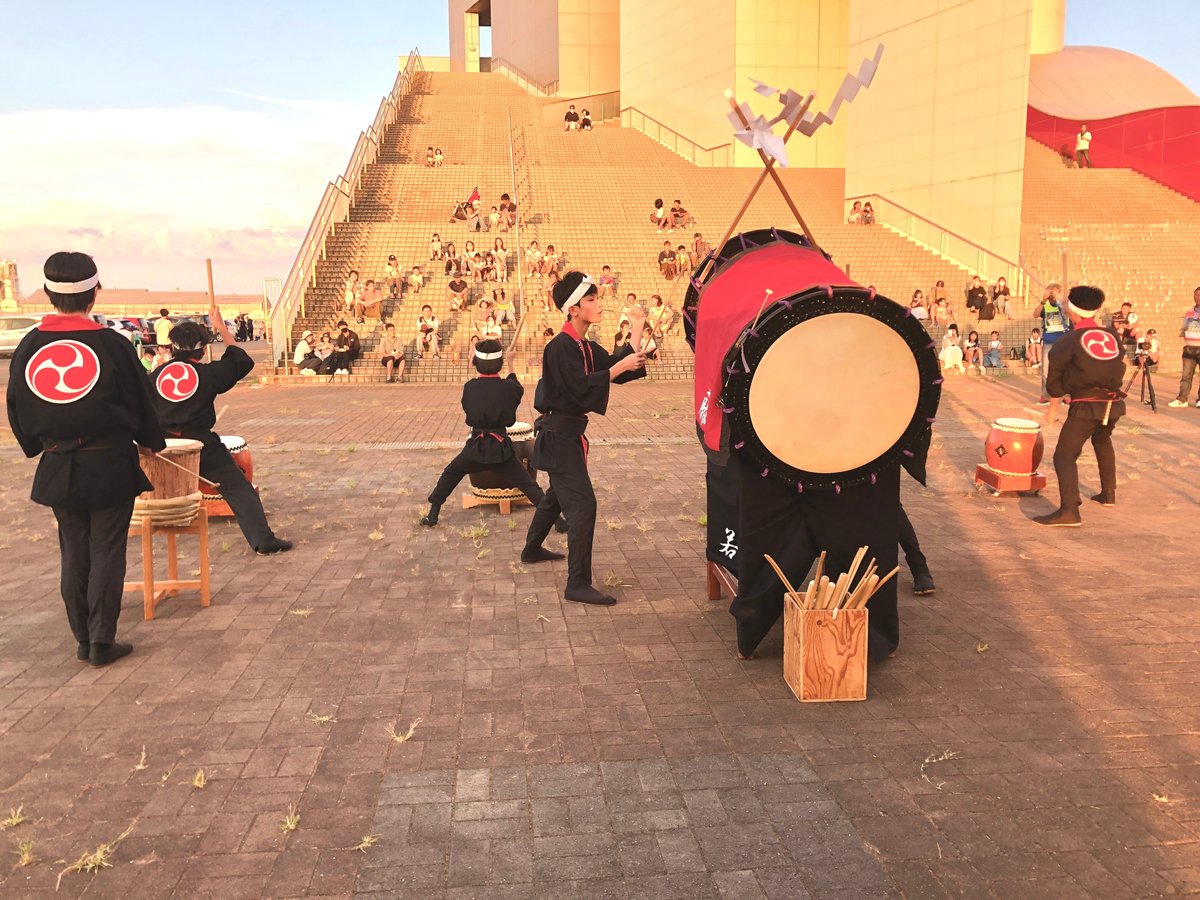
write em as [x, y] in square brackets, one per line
[78, 396]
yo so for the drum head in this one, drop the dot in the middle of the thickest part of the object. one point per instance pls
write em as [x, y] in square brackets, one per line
[831, 385]
[233, 443]
[182, 445]
[1012, 424]
[851, 417]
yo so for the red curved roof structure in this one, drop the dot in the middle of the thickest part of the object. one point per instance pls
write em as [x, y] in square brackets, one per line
[1140, 116]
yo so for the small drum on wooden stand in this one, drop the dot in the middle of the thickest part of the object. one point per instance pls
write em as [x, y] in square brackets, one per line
[488, 487]
[175, 474]
[1013, 450]
[217, 505]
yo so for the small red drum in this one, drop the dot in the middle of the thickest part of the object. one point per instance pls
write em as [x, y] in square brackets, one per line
[489, 485]
[216, 505]
[1013, 451]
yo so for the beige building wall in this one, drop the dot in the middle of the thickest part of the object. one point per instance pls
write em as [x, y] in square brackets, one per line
[589, 47]
[676, 59]
[942, 129]
[524, 33]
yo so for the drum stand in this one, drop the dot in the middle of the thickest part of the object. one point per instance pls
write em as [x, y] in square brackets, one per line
[1141, 374]
[154, 591]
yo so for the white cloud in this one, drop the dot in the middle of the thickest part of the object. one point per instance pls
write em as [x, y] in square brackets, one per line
[152, 191]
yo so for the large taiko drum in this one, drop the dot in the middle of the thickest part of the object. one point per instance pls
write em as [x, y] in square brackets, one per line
[491, 486]
[808, 376]
[1012, 452]
[175, 474]
[214, 502]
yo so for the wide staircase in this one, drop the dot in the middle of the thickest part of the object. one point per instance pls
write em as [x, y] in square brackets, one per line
[588, 194]
[1119, 230]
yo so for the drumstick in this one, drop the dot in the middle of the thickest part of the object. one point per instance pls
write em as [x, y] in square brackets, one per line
[763, 305]
[820, 567]
[864, 594]
[860, 588]
[782, 577]
[810, 594]
[172, 462]
[839, 589]
[858, 558]
[217, 417]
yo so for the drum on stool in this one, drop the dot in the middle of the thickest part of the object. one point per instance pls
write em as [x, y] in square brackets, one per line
[216, 505]
[175, 474]
[1013, 451]
[489, 487]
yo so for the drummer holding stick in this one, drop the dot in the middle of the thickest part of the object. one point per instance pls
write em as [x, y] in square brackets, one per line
[1088, 363]
[491, 404]
[186, 390]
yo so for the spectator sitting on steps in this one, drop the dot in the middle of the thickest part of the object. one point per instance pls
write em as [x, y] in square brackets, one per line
[606, 284]
[917, 306]
[571, 119]
[991, 359]
[868, 214]
[415, 280]
[305, 358]
[427, 333]
[1033, 349]
[660, 317]
[585, 123]
[456, 293]
[666, 262]
[438, 157]
[391, 274]
[680, 217]
[435, 247]
[551, 261]
[508, 212]
[391, 354]
[855, 217]
[1001, 296]
[346, 349]
[533, 259]
[972, 352]
[429, 160]
[660, 218]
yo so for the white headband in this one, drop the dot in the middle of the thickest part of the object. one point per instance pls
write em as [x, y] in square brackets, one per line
[579, 293]
[1086, 313]
[73, 287]
[499, 354]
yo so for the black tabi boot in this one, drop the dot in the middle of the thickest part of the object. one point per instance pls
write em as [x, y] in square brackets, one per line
[102, 654]
[922, 580]
[431, 518]
[1063, 517]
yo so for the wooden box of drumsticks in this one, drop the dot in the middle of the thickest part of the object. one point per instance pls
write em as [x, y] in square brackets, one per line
[825, 632]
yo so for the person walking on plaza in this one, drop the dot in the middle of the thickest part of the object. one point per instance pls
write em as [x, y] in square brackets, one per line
[1055, 324]
[1089, 365]
[186, 390]
[79, 397]
[1190, 332]
[577, 375]
[1083, 141]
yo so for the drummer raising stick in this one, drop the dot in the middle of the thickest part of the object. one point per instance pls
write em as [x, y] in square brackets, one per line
[185, 390]
[490, 403]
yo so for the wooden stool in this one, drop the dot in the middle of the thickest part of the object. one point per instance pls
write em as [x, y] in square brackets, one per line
[154, 591]
[718, 578]
[502, 497]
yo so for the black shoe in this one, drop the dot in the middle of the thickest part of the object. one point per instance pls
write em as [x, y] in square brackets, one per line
[539, 554]
[82, 654]
[431, 518]
[1061, 518]
[273, 545]
[100, 655]
[561, 525]
[587, 594]
[922, 581]
[1104, 499]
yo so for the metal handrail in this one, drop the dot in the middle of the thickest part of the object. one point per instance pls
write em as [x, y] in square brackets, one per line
[503, 67]
[720, 155]
[948, 244]
[334, 208]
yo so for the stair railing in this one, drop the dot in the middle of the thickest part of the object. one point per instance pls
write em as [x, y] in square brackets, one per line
[333, 210]
[719, 156]
[503, 67]
[948, 244]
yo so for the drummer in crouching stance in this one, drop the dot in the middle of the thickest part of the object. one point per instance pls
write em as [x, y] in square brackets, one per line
[185, 391]
[490, 403]
[576, 377]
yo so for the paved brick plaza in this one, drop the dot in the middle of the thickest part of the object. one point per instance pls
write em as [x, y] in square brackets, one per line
[1035, 736]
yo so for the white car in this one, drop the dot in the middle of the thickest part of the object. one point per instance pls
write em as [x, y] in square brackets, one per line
[14, 326]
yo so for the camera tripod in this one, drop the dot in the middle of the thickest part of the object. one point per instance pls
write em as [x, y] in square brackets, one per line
[1141, 374]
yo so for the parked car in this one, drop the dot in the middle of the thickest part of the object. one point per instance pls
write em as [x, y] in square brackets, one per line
[14, 326]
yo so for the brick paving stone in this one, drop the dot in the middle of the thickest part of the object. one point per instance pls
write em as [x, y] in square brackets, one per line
[565, 751]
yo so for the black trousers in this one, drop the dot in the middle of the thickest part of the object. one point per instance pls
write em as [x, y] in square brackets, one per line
[461, 466]
[909, 544]
[92, 542]
[794, 528]
[1076, 432]
[216, 464]
[570, 494]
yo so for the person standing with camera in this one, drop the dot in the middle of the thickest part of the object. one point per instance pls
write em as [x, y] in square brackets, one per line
[1190, 332]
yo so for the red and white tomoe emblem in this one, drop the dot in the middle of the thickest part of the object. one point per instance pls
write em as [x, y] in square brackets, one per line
[1100, 344]
[62, 372]
[177, 381]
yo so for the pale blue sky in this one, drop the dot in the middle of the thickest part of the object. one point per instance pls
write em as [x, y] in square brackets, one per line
[153, 134]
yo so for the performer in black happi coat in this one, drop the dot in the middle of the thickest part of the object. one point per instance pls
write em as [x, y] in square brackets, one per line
[185, 391]
[490, 403]
[576, 376]
[1087, 363]
[78, 396]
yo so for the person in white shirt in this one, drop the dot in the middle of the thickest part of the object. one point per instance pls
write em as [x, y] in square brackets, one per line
[305, 358]
[1083, 140]
[162, 329]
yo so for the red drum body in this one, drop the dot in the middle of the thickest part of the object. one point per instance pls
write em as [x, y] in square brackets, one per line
[489, 485]
[811, 378]
[216, 505]
[1013, 451]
